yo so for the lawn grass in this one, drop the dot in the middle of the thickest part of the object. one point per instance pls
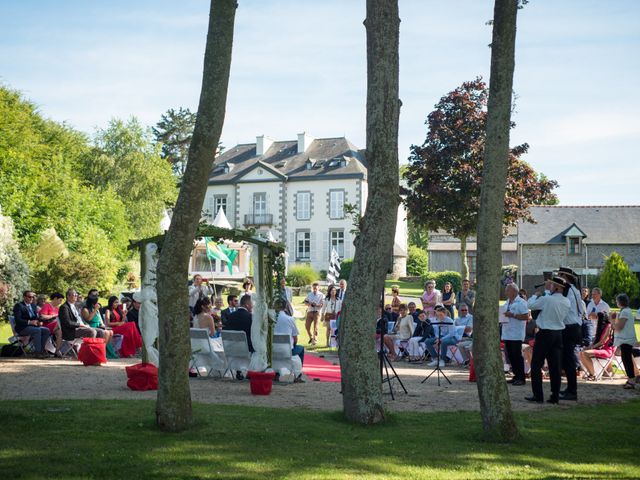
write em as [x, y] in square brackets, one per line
[118, 439]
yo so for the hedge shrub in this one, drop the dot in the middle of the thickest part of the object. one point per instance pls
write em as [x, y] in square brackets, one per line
[301, 274]
[417, 262]
[345, 268]
[448, 276]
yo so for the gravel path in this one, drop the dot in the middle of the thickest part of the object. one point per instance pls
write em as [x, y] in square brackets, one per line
[67, 379]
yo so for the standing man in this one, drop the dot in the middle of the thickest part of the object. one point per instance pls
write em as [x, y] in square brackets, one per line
[342, 290]
[199, 289]
[548, 346]
[572, 334]
[517, 311]
[232, 302]
[595, 306]
[466, 295]
[27, 324]
[314, 302]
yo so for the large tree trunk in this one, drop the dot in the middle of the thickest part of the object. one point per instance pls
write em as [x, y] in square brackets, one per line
[361, 382]
[464, 263]
[495, 404]
[173, 409]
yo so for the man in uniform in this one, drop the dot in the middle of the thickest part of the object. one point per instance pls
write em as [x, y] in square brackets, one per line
[553, 310]
[572, 334]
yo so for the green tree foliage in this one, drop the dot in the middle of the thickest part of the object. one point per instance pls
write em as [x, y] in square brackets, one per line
[125, 163]
[14, 273]
[618, 278]
[445, 173]
[174, 132]
[301, 275]
[417, 262]
[44, 185]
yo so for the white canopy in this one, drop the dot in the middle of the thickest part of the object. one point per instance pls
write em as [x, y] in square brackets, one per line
[221, 220]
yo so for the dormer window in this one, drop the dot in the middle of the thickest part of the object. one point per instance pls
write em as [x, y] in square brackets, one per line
[574, 236]
[573, 245]
[310, 163]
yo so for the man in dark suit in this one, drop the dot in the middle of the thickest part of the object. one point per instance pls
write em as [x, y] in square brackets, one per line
[71, 322]
[241, 319]
[27, 324]
[232, 302]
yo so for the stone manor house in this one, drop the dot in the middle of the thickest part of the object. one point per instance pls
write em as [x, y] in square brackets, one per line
[295, 192]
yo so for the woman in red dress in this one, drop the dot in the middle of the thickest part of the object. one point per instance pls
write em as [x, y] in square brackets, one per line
[115, 319]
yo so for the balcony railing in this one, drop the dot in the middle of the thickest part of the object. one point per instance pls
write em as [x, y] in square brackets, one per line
[258, 219]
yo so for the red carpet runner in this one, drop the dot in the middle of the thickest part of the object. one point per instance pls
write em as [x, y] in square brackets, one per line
[320, 369]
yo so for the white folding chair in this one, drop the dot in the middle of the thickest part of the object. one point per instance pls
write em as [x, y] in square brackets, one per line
[202, 353]
[455, 354]
[601, 366]
[281, 357]
[236, 350]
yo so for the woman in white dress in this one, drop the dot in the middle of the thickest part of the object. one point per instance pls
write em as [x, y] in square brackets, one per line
[330, 309]
[202, 319]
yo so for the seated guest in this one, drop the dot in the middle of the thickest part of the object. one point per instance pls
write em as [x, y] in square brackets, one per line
[91, 316]
[390, 314]
[603, 348]
[232, 302]
[404, 327]
[413, 311]
[423, 331]
[71, 322]
[116, 320]
[49, 317]
[286, 325]
[464, 322]
[133, 313]
[202, 317]
[216, 313]
[27, 325]
[241, 319]
[445, 335]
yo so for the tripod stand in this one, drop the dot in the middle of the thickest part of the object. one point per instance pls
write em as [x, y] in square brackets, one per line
[438, 370]
[385, 365]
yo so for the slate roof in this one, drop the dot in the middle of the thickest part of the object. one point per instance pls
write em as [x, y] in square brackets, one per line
[600, 224]
[283, 157]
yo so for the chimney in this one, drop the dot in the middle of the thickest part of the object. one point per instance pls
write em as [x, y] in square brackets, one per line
[304, 141]
[262, 144]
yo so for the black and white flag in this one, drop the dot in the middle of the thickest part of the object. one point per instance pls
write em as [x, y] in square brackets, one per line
[333, 273]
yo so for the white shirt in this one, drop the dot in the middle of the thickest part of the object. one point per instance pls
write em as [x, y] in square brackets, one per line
[286, 325]
[515, 329]
[405, 327]
[553, 310]
[601, 306]
[331, 306]
[196, 292]
[316, 298]
[466, 322]
[576, 307]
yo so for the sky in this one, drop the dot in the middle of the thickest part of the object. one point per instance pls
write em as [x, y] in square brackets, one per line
[300, 65]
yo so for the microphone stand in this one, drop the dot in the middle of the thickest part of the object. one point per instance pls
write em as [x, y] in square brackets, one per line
[438, 371]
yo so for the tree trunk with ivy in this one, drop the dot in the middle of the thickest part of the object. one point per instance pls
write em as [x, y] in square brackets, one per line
[173, 408]
[495, 405]
[361, 382]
